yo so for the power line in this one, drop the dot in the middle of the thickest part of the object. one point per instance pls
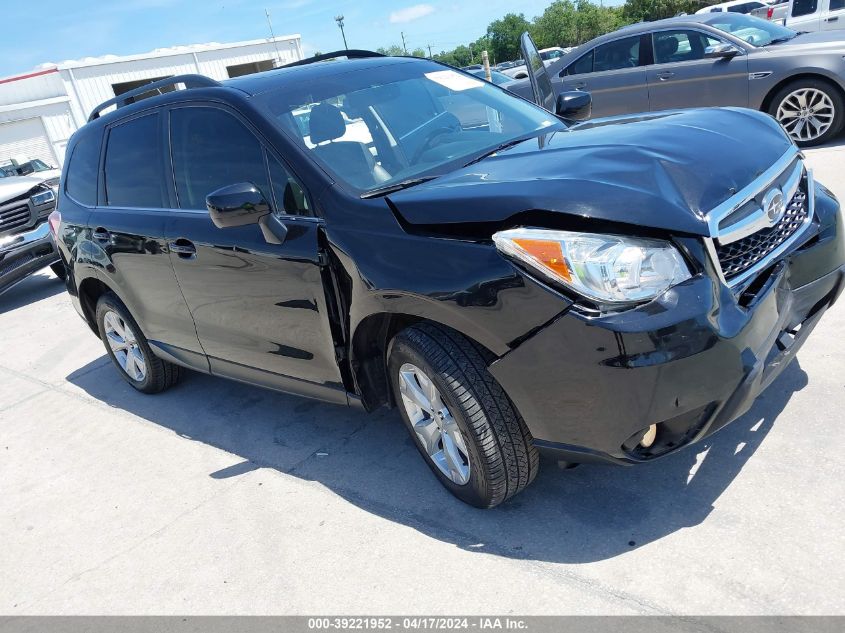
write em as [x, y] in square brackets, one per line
[273, 36]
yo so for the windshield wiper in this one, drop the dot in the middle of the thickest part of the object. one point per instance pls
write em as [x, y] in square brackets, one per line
[778, 40]
[498, 148]
[397, 186]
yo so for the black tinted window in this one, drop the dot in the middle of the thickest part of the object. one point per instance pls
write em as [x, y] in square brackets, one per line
[583, 65]
[212, 149]
[835, 5]
[133, 162]
[290, 197]
[81, 180]
[804, 7]
[624, 53]
[680, 46]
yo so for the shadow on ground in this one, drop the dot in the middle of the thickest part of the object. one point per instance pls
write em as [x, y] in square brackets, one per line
[38, 286]
[575, 516]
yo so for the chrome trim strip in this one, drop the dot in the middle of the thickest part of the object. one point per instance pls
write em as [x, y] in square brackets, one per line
[14, 242]
[780, 250]
[760, 220]
[715, 216]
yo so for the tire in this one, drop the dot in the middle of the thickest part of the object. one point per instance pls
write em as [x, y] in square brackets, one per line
[499, 452]
[59, 270]
[157, 375]
[824, 96]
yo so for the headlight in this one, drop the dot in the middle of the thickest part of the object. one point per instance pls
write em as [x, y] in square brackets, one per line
[604, 268]
[42, 197]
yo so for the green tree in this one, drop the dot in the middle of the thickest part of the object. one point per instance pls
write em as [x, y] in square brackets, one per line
[504, 36]
[648, 10]
[394, 50]
[418, 52]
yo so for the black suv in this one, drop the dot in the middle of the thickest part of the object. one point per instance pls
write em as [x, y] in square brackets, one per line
[393, 231]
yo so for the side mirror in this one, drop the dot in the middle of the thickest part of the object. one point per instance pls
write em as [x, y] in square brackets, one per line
[721, 51]
[236, 205]
[574, 105]
[242, 204]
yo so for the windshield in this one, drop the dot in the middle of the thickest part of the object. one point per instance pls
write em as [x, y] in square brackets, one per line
[377, 127]
[23, 169]
[752, 30]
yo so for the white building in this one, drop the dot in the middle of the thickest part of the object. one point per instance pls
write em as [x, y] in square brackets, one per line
[40, 110]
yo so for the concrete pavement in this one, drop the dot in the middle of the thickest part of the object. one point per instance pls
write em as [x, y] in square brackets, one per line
[217, 497]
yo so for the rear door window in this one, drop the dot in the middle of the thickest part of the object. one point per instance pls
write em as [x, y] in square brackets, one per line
[132, 169]
[81, 178]
[212, 149]
[804, 7]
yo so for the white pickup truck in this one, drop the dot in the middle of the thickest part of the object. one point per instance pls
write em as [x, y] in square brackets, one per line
[816, 15]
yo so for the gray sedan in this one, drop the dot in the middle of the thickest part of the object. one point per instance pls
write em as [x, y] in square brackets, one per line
[714, 59]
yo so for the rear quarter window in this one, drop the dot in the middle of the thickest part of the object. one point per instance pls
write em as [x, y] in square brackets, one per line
[81, 178]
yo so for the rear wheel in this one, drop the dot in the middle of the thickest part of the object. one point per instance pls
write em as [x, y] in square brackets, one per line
[811, 111]
[129, 350]
[460, 418]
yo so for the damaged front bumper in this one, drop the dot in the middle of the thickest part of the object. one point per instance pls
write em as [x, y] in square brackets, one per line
[689, 362]
[24, 253]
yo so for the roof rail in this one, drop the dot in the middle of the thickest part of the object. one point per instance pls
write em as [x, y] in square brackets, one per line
[352, 53]
[190, 81]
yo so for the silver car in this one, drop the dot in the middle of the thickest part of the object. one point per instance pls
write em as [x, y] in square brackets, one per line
[713, 59]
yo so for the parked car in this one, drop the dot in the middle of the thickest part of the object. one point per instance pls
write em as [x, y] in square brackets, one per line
[734, 6]
[548, 55]
[500, 79]
[713, 59]
[774, 11]
[816, 15]
[26, 201]
[605, 291]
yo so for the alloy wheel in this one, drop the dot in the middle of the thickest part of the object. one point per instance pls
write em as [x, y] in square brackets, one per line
[806, 113]
[124, 346]
[434, 424]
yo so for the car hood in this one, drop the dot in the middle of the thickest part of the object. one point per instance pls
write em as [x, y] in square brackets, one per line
[664, 170]
[12, 187]
[817, 42]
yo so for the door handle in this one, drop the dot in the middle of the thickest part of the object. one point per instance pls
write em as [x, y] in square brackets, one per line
[666, 74]
[101, 235]
[183, 248]
[833, 19]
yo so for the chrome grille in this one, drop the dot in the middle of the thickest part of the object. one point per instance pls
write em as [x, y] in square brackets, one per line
[14, 218]
[738, 257]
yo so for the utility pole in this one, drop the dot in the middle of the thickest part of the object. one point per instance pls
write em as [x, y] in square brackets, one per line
[471, 54]
[402, 33]
[429, 52]
[339, 20]
[273, 37]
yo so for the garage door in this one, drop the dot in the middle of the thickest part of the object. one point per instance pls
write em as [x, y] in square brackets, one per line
[25, 138]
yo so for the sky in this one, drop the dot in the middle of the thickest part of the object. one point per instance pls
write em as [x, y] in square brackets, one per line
[82, 28]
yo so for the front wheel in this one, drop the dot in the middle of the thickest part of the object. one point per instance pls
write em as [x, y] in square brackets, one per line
[811, 111]
[460, 418]
[59, 270]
